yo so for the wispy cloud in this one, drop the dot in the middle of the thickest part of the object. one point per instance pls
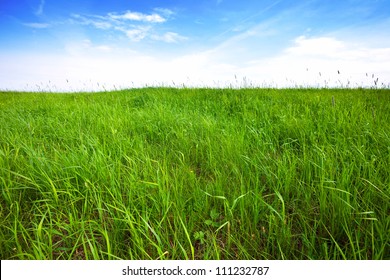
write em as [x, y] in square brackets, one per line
[83, 47]
[39, 11]
[37, 25]
[96, 21]
[169, 37]
[136, 26]
[119, 19]
[167, 13]
[137, 34]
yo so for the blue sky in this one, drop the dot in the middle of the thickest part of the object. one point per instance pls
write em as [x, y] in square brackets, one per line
[84, 45]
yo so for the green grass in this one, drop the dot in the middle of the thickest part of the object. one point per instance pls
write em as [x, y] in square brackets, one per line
[163, 173]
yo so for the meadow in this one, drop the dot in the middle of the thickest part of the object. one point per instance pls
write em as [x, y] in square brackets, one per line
[192, 173]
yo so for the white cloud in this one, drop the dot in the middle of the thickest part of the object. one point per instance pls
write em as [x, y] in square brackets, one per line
[137, 34]
[323, 61]
[169, 37]
[85, 47]
[90, 67]
[86, 67]
[103, 48]
[321, 46]
[332, 50]
[135, 16]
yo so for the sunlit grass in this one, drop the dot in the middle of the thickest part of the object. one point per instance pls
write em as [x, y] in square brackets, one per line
[164, 173]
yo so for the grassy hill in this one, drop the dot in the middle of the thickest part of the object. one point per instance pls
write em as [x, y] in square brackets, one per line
[165, 173]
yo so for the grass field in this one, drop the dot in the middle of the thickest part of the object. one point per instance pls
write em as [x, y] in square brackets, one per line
[164, 173]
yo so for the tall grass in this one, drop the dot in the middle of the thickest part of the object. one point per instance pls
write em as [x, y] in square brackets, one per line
[164, 173]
